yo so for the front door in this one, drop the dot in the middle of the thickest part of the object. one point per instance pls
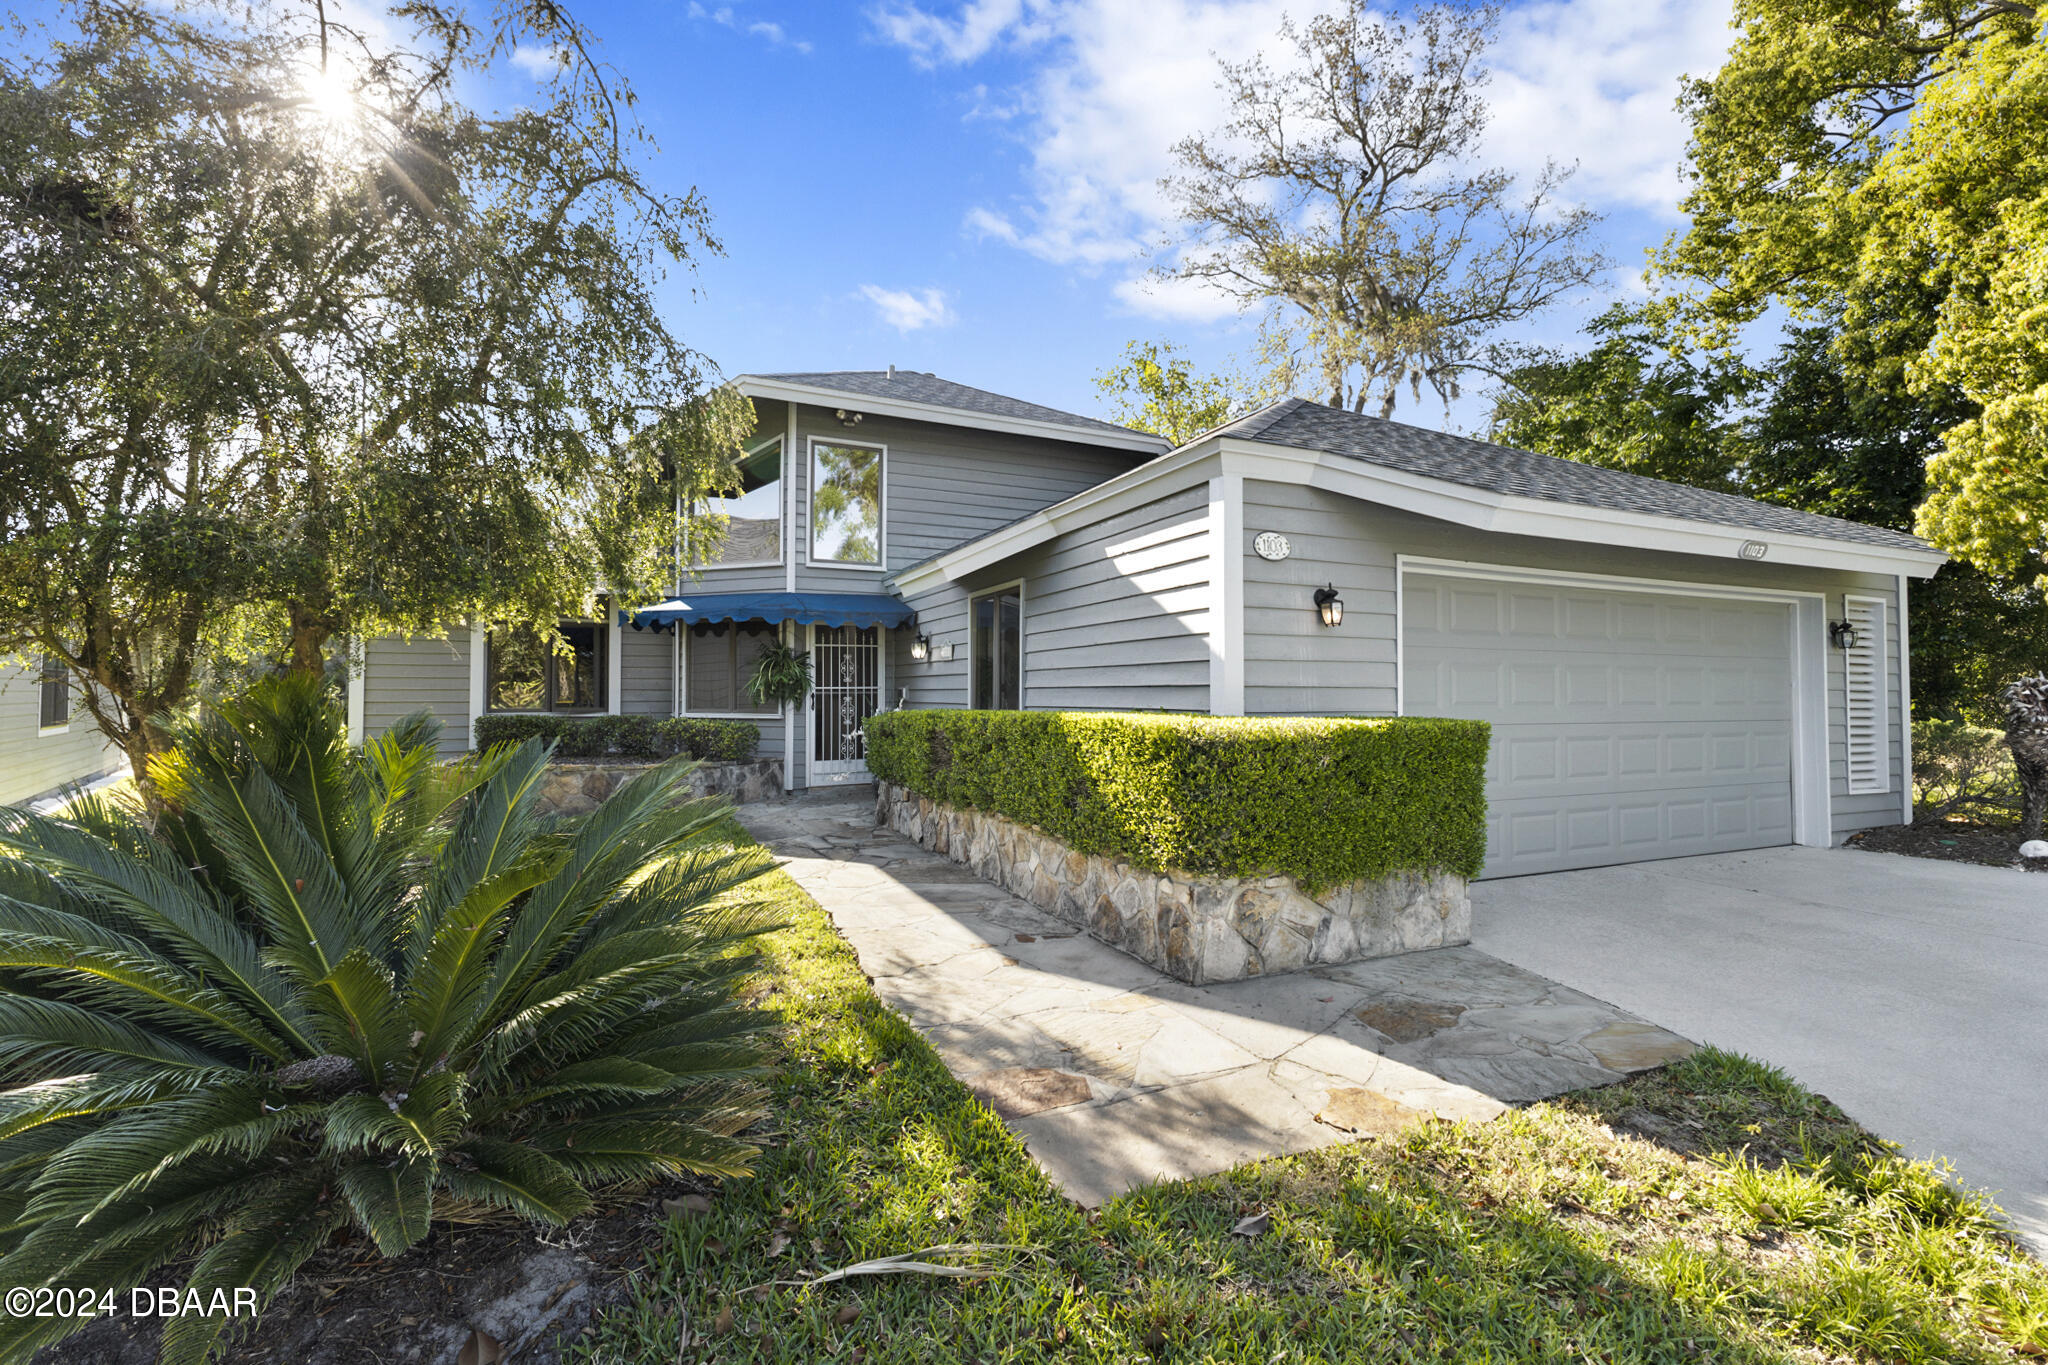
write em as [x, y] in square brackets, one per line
[846, 672]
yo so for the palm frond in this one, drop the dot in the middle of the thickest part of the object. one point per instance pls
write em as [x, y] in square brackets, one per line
[56, 1036]
[393, 1200]
[140, 987]
[270, 1239]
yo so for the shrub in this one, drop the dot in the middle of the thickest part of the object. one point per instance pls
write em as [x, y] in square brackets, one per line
[1324, 800]
[1965, 770]
[327, 990]
[627, 737]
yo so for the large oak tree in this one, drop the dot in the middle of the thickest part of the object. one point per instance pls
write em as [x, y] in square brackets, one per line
[1343, 192]
[301, 343]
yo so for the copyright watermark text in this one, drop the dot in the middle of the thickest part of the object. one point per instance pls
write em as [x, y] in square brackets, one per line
[164, 1302]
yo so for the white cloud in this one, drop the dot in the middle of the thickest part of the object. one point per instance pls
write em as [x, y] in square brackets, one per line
[541, 63]
[1113, 85]
[767, 29]
[981, 25]
[988, 223]
[909, 310]
[1175, 300]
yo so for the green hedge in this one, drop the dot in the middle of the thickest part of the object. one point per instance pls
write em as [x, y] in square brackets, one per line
[1325, 800]
[630, 737]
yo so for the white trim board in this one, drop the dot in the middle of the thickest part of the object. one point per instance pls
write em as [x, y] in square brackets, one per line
[1812, 803]
[1226, 588]
[761, 388]
[358, 687]
[1507, 514]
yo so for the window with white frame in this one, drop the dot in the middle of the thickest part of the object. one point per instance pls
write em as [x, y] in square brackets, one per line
[744, 525]
[56, 694]
[559, 670]
[998, 633]
[846, 504]
[1866, 697]
[719, 658]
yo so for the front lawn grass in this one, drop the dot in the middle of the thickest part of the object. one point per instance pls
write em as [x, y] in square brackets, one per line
[1764, 1226]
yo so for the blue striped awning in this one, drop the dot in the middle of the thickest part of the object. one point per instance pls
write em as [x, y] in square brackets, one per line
[805, 608]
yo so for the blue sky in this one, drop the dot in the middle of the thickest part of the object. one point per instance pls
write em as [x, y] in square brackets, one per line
[970, 188]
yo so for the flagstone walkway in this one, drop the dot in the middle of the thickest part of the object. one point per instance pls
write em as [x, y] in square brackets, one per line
[1115, 1075]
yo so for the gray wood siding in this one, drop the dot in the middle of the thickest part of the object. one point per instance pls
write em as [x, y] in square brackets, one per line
[1296, 666]
[941, 485]
[33, 764]
[401, 676]
[942, 615]
[647, 672]
[1116, 616]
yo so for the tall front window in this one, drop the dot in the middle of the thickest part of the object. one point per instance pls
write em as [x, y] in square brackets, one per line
[56, 709]
[999, 651]
[846, 504]
[743, 527]
[561, 670]
[721, 657]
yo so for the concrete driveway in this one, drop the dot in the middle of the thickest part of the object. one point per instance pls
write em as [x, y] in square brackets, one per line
[1913, 993]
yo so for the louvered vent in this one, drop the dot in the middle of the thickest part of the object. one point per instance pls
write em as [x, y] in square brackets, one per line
[1864, 668]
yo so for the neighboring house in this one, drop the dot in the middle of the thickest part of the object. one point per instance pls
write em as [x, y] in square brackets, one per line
[47, 740]
[1668, 670]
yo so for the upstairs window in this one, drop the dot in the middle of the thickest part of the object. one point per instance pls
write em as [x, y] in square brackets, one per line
[720, 658]
[56, 689]
[560, 671]
[846, 504]
[743, 527]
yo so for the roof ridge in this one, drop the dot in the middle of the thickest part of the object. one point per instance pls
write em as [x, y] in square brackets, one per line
[1493, 466]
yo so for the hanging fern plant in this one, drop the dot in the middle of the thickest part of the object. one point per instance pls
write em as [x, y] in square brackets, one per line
[782, 673]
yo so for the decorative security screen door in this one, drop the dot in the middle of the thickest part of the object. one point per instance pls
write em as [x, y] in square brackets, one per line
[846, 668]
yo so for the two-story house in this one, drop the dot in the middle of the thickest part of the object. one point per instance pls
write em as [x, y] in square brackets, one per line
[1668, 670]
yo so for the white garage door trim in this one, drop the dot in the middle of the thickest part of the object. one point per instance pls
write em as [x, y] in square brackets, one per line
[1811, 823]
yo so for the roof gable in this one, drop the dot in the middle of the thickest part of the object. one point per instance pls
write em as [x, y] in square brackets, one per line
[910, 393]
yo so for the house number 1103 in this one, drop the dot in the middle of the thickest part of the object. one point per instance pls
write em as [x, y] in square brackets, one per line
[1271, 545]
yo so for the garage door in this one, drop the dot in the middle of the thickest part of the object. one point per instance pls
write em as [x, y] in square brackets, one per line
[1626, 725]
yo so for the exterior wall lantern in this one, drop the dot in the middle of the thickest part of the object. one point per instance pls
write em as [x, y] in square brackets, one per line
[1842, 634]
[1330, 606]
[921, 648]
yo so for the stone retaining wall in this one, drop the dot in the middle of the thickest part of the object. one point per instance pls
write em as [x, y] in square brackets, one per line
[576, 788]
[1197, 929]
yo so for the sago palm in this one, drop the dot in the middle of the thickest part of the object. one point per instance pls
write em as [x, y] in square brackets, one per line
[327, 989]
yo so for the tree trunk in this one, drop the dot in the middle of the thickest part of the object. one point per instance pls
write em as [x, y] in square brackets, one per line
[311, 631]
[2030, 757]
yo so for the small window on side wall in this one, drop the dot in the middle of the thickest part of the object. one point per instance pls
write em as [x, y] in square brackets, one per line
[846, 504]
[999, 651]
[562, 670]
[56, 698]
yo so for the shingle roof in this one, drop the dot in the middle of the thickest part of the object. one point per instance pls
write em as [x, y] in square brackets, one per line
[1299, 423]
[909, 386]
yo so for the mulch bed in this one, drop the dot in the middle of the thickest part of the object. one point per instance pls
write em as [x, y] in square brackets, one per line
[1954, 841]
[530, 1288]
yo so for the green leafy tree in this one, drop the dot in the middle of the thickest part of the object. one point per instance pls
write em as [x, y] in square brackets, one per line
[330, 990]
[1155, 388]
[1342, 196]
[1632, 401]
[301, 345]
[1881, 161]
